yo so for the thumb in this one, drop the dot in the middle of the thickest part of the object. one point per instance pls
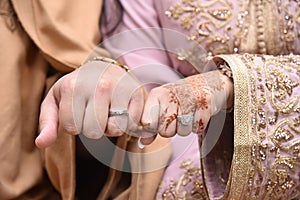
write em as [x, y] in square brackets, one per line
[48, 121]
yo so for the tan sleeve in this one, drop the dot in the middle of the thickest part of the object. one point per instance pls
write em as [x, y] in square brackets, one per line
[65, 31]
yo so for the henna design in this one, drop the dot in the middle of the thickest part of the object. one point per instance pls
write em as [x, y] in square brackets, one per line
[162, 118]
[170, 119]
[201, 96]
[182, 92]
[198, 126]
[198, 85]
[201, 125]
[173, 98]
[192, 93]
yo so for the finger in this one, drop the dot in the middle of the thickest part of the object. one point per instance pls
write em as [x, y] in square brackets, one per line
[203, 112]
[150, 118]
[122, 93]
[101, 106]
[91, 99]
[201, 121]
[135, 110]
[70, 106]
[117, 124]
[151, 113]
[91, 127]
[85, 91]
[147, 137]
[48, 122]
[183, 92]
[167, 116]
[185, 121]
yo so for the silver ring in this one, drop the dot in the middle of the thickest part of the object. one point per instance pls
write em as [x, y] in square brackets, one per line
[113, 112]
[185, 119]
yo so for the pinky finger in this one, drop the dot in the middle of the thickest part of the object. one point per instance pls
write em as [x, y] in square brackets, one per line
[147, 137]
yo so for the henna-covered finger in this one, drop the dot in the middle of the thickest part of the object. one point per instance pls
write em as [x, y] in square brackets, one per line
[168, 112]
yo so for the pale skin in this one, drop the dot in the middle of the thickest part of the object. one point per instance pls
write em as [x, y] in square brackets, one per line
[80, 101]
[75, 105]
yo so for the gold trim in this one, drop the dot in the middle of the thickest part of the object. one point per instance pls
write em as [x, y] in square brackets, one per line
[237, 184]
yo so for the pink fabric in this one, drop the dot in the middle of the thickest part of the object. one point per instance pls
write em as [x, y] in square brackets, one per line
[150, 52]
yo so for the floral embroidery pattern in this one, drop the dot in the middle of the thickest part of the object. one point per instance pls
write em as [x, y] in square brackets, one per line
[222, 28]
[177, 189]
[276, 143]
[204, 20]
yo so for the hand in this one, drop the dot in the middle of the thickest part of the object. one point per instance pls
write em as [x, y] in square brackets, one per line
[186, 106]
[81, 101]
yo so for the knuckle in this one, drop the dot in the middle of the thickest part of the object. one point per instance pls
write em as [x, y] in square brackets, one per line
[105, 85]
[65, 85]
[72, 83]
[158, 91]
[137, 95]
[70, 128]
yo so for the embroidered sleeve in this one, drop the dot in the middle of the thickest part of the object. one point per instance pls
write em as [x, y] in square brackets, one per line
[266, 159]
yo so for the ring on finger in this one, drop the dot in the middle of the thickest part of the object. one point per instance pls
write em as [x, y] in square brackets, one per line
[185, 119]
[116, 112]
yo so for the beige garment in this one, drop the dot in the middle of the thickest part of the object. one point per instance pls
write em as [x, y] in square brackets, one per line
[37, 36]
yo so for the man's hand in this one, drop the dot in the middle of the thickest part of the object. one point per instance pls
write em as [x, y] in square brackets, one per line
[96, 99]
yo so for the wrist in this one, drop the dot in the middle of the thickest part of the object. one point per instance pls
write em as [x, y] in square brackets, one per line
[227, 78]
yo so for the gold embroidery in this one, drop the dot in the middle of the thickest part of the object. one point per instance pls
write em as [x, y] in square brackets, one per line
[242, 28]
[226, 29]
[274, 168]
[177, 189]
[275, 161]
[205, 20]
[288, 32]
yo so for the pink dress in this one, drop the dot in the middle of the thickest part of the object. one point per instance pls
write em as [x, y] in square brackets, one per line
[164, 40]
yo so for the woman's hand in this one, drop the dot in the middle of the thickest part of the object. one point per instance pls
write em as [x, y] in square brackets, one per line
[98, 98]
[186, 106]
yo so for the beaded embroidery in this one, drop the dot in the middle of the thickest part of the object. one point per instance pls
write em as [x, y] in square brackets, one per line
[177, 189]
[275, 128]
[211, 21]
